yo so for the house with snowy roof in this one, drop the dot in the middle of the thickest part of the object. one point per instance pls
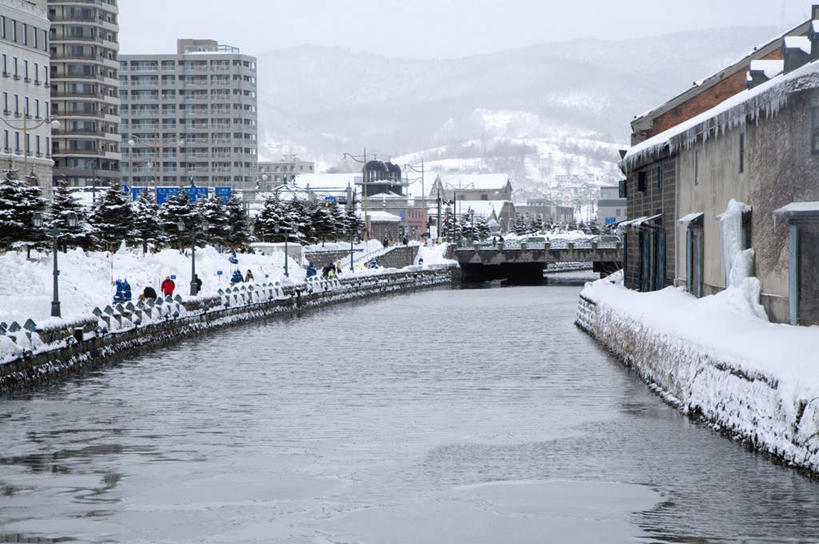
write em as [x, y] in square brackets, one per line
[473, 186]
[729, 197]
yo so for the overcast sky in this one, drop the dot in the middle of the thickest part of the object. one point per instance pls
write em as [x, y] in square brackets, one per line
[430, 28]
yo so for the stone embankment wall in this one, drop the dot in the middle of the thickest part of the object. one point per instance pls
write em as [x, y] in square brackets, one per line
[46, 354]
[398, 257]
[750, 407]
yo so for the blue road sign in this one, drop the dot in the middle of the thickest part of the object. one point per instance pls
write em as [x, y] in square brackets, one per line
[126, 189]
[611, 220]
[329, 199]
[195, 193]
[223, 193]
[163, 194]
[135, 192]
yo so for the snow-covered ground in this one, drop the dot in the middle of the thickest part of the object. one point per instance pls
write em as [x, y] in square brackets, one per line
[86, 280]
[718, 356]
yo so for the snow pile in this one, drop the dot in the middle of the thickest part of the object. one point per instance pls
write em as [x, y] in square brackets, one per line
[718, 358]
[434, 256]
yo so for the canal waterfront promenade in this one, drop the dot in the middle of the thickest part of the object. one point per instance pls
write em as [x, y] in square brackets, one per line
[716, 358]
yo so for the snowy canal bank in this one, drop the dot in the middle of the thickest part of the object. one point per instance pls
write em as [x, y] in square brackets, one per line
[32, 354]
[718, 359]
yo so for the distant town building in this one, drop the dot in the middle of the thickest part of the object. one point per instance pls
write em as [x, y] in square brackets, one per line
[84, 44]
[611, 208]
[473, 186]
[273, 173]
[190, 117]
[25, 94]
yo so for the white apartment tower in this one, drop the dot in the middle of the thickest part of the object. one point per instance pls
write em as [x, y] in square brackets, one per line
[85, 90]
[189, 118]
[25, 131]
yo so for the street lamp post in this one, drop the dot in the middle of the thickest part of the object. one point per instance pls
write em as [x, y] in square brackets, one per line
[202, 228]
[25, 128]
[363, 160]
[54, 232]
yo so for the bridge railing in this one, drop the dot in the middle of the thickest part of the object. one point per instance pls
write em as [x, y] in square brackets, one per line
[606, 241]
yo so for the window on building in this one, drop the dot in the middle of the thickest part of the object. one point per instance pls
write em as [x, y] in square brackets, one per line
[697, 167]
[37, 142]
[641, 181]
[3, 28]
[25, 34]
[36, 35]
[659, 178]
[5, 64]
[37, 108]
[16, 142]
[6, 141]
[16, 74]
[48, 146]
[741, 153]
[16, 104]
[25, 69]
[36, 73]
[14, 31]
[28, 113]
[5, 102]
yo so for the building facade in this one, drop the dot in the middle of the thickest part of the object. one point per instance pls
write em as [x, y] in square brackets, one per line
[730, 199]
[190, 118]
[611, 207]
[25, 131]
[84, 44]
[273, 173]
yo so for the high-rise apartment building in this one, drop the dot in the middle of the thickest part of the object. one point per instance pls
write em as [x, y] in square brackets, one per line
[189, 118]
[85, 90]
[25, 131]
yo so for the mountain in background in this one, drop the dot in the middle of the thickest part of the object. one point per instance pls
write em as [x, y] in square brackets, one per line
[537, 113]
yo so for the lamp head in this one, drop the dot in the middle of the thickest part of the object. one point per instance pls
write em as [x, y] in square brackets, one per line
[71, 220]
[37, 220]
[203, 226]
[55, 124]
[131, 143]
[180, 226]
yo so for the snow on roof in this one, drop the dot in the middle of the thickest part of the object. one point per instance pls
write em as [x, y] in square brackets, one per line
[800, 42]
[486, 182]
[381, 217]
[327, 181]
[482, 208]
[771, 68]
[686, 219]
[768, 97]
[815, 26]
[798, 208]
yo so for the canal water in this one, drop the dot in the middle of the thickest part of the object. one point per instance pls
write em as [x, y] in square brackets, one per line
[479, 415]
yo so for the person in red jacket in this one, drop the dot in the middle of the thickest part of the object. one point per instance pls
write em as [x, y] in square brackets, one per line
[167, 286]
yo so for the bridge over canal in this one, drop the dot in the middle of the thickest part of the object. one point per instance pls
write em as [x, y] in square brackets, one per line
[524, 262]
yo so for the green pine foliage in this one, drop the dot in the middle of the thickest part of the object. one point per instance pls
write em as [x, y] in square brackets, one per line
[112, 218]
[270, 222]
[483, 229]
[238, 225]
[214, 213]
[19, 201]
[63, 202]
[147, 228]
[172, 212]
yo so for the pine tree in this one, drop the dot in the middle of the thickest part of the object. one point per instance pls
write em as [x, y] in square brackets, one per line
[536, 225]
[214, 212]
[239, 232]
[321, 222]
[520, 226]
[147, 227]
[468, 230]
[175, 210]
[113, 218]
[270, 222]
[19, 201]
[63, 202]
[353, 224]
[483, 229]
[339, 221]
[298, 215]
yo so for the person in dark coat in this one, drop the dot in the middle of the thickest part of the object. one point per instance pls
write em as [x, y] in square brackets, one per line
[149, 293]
[167, 286]
[249, 276]
[197, 283]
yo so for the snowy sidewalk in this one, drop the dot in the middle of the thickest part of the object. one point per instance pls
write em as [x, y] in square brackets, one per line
[716, 357]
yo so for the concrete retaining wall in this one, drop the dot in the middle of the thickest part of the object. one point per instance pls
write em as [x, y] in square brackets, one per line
[398, 257]
[750, 407]
[69, 351]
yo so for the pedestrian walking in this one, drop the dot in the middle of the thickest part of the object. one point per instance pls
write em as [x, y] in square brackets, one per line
[167, 286]
[197, 284]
